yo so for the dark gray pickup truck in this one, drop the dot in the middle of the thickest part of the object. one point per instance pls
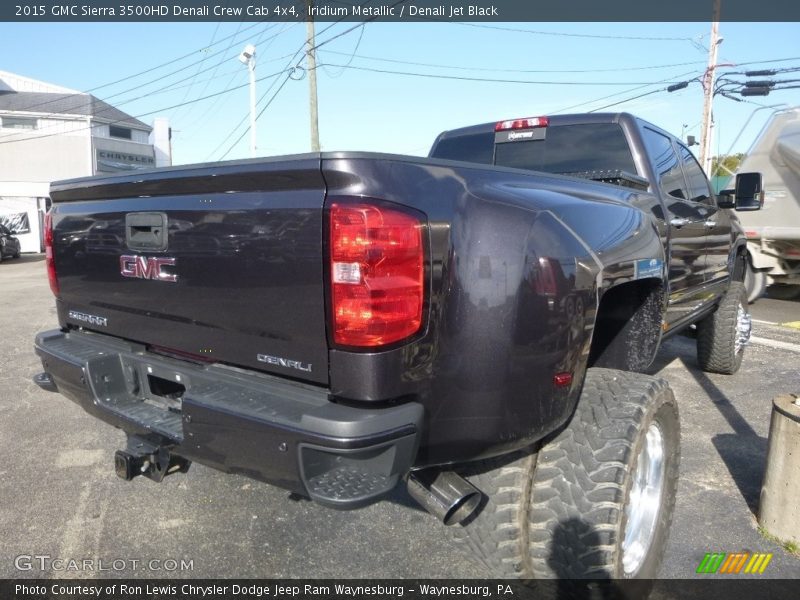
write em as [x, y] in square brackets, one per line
[474, 323]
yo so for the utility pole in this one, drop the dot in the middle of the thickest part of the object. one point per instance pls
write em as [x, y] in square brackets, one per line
[708, 89]
[311, 67]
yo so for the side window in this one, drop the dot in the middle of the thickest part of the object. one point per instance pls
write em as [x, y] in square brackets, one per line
[666, 163]
[696, 178]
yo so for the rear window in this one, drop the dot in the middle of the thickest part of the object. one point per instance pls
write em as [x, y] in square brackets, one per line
[570, 149]
[563, 149]
[476, 148]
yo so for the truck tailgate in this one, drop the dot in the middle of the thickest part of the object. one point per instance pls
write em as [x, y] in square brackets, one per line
[223, 263]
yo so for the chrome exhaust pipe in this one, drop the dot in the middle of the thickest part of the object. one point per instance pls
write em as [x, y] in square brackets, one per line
[445, 494]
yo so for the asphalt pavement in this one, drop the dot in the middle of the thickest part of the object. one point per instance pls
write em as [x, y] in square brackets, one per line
[59, 497]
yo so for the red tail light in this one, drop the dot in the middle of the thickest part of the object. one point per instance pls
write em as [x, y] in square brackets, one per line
[528, 123]
[377, 274]
[49, 257]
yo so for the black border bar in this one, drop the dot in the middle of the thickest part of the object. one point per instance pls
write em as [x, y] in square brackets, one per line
[488, 11]
[729, 588]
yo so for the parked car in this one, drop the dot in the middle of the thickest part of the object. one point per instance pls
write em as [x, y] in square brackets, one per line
[9, 243]
[773, 233]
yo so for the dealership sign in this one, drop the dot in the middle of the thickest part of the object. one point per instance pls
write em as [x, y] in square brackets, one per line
[112, 161]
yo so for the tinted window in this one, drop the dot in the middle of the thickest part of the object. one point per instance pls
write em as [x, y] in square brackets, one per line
[695, 177]
[119, 132]
[571, 149]
[476, 147]
[665, 161]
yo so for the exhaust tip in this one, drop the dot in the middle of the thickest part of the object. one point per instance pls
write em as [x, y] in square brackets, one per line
[445, 494]
[462, 508]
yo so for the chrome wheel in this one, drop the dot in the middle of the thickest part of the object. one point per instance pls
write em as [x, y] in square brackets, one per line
[644, 504]
[744, 325]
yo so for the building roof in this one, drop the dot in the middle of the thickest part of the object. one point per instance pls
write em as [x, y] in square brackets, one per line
[20, 83]
[66, 104]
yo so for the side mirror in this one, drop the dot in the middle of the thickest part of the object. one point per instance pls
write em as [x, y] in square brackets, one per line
[725, 199]
[749, 191]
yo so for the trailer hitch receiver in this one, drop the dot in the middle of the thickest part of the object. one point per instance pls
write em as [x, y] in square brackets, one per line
[144, 458]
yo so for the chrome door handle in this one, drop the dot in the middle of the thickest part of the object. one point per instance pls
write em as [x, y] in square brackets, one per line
[710, 224]
[678, 222]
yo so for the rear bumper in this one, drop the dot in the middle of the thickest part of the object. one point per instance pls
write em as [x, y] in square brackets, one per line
[264, 427]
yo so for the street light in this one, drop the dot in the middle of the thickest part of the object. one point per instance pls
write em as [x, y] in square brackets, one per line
[248, 57]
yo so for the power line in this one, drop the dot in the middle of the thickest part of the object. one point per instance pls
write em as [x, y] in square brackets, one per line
[581, 35]
[220, 61]
[170, 62]
[240, 72]
[129, 77]
[500, 70]
[167, 88]
[293, 69]
[81, 97]
[199, 66]
[771, 60]
[770, 71]
[146, 114]
[288, 70]
[352, 54]
[486, 79]
[258, 116]
[615, 94]
[627, 100]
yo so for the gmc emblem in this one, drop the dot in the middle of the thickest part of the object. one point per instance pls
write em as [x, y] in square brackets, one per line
[146, 267]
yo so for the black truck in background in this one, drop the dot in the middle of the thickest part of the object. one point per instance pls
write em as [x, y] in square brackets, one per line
[474, 323]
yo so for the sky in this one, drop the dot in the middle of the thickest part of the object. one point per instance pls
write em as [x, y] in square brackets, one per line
[547, 68]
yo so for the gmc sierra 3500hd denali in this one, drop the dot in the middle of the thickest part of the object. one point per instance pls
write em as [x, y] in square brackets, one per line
[472, 323]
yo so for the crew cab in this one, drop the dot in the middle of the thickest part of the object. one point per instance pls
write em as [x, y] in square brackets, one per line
[474, 323]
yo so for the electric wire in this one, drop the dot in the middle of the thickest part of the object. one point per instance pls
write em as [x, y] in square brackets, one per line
[581, 35]
[145, 114]
[352, 55]
[614, 95]
[239, 74]
[129, 77]
[202, 62]
[292, 70]
[167, 88]
[219, 62]
[502, 70]
[488, 79]
[82, 97]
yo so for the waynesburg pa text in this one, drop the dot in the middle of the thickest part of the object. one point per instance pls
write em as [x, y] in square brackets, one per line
[274, 590]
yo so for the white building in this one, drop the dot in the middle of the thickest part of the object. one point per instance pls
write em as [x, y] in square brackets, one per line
[47, 133]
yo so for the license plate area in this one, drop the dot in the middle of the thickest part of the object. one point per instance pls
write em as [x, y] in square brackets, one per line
[145, 392]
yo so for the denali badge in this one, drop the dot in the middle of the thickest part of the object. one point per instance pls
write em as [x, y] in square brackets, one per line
[284, 362]
[146, 267]
[91, 319]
